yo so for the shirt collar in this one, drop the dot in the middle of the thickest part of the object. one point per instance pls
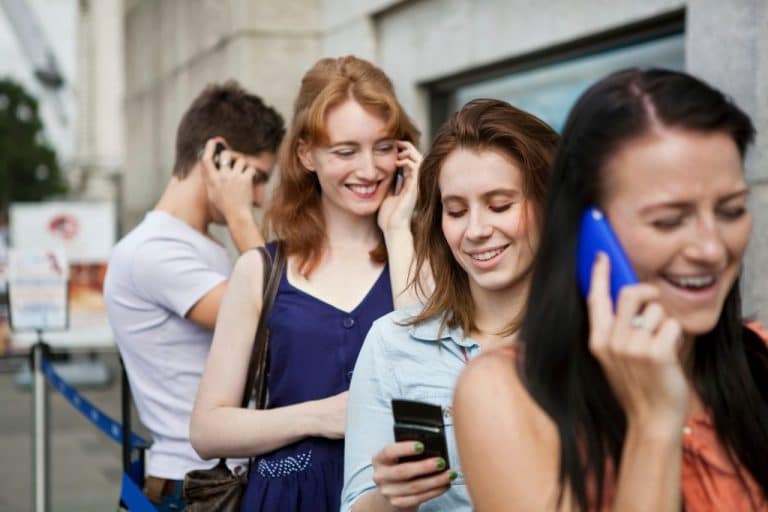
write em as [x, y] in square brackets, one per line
[429, 330]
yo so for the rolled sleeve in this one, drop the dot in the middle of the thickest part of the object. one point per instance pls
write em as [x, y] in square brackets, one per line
[369, 414]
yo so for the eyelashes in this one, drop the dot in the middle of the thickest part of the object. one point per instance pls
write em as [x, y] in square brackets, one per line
[725, 214]
[381, 149]
[457, 213]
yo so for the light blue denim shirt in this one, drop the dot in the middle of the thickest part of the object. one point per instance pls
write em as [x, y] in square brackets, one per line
[411, 362]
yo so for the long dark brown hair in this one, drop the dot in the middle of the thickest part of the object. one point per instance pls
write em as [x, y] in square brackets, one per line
[563, 377]
[481, 125]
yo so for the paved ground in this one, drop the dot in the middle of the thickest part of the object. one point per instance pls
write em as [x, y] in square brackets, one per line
[85, 465]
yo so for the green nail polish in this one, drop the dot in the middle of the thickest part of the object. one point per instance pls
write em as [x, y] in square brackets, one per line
[453, 475]
[440, 463]
[418, 447]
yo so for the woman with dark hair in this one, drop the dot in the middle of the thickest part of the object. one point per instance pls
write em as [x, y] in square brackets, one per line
[348, 246]
[658, 403]
[481, 194]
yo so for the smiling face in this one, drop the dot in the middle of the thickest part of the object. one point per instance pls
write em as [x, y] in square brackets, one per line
[356, 167]
[678, 203]
[486, 221]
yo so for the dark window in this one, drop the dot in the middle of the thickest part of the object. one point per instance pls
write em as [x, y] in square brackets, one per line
[548, 82]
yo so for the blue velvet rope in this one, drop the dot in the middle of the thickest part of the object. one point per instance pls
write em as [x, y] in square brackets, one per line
[103, 422]
[133, 498]
[130, 494]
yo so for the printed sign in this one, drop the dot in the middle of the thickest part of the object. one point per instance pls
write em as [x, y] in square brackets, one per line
[37, 289]
[5, 330]
[86, 231]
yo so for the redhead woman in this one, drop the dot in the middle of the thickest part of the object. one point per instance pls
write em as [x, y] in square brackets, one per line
[349, 249]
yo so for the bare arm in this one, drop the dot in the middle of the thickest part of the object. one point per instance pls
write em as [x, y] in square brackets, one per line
[244, 231]
[643, 368]
[205, 310]
[394, 219]
[401, 258]
[219, 427]
[512, 462]
[230, 190]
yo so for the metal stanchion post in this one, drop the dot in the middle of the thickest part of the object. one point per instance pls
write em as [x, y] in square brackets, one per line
[41, 442]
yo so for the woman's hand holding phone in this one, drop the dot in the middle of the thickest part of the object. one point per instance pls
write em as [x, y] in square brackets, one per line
[406, 485]
[397, 209]
[638, 348]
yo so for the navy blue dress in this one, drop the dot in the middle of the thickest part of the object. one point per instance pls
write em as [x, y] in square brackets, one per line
[313, 349]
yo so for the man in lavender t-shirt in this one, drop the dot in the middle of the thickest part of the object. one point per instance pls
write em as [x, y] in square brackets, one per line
[166, 278]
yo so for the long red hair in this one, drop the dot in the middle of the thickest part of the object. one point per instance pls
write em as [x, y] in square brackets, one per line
[294, 215]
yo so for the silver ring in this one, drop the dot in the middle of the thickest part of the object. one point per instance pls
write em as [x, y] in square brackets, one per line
[638, 322]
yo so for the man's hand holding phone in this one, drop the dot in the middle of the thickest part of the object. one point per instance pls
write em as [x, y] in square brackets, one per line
[228, 181]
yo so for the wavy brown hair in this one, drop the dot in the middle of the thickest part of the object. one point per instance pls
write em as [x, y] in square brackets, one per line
[295, 215]
[481, 125]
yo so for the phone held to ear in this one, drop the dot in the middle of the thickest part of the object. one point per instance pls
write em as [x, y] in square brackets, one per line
[216, 158]
[422, 422]
[397, 181]
[595, 234]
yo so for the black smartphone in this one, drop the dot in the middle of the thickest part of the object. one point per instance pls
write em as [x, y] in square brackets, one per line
[216, 158]
[422, 422]
[397, 181]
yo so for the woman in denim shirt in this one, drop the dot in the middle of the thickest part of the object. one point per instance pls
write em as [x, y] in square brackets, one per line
[481, 190]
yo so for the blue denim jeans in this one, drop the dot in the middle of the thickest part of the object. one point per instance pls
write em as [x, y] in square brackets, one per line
[173, 503]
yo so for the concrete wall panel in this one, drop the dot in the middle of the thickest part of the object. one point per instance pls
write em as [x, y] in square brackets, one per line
[431, 39]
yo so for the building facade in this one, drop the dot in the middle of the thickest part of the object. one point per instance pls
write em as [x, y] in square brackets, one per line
[439, 53]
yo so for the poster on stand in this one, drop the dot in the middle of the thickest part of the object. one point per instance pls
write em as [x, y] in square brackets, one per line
[37, 290]
[5, 329]
[86, 232]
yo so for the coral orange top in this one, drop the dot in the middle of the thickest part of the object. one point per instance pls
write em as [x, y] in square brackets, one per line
[710, 480]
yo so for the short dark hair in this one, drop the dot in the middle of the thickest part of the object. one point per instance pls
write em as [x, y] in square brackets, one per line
[226, 110]
[560, 372]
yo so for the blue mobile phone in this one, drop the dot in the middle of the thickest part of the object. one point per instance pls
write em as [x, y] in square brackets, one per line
[595, 234]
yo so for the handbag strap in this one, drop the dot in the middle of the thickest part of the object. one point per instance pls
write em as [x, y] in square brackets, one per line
[258, 363]
[256, 379]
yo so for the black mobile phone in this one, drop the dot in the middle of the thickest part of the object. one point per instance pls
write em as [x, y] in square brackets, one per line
[216, 158]
[422, 422]
[397, 181]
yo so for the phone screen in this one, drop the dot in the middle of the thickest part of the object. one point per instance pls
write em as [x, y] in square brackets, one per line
[596, 235]
[422, 422]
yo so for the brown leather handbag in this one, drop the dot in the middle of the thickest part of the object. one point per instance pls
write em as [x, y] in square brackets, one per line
[220, 488]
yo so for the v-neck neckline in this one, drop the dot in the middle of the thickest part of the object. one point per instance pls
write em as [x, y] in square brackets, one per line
[331, 306]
